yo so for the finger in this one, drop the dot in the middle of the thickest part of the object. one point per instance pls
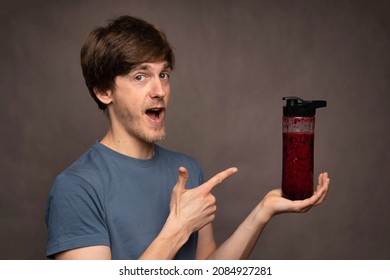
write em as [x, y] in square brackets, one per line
[323, 182]
[322, 178]
[323, 189]
[218, 179]
[182, 178]
[320, 194]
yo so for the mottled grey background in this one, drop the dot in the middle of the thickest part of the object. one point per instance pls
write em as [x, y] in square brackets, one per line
[235, 62]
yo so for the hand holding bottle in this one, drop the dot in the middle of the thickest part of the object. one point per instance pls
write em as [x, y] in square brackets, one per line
[274, 203]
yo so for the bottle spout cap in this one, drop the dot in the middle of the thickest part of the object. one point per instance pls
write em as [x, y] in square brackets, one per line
[297, 107]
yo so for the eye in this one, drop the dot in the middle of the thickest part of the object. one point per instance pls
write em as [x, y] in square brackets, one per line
[139, 78]
[164, 76]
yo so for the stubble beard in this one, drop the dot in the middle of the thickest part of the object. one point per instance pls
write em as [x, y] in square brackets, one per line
[136, 128]
[151, 138]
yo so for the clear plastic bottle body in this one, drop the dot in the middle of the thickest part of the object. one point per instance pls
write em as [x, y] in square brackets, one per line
[298, 157]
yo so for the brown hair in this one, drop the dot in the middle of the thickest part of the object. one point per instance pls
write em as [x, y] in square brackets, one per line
[117, 48]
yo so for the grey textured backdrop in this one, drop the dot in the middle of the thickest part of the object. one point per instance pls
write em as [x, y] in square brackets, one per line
[235, 62]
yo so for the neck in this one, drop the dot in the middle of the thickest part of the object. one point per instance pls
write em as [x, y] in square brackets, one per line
[128, 146]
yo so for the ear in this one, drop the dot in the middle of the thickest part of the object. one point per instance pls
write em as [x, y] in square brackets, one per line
[105, 96]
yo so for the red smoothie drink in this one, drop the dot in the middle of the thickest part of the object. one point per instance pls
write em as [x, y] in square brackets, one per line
[298, 161]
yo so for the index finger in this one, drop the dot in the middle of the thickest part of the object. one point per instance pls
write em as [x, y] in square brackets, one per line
[218, 179]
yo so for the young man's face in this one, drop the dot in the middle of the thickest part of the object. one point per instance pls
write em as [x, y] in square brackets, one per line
[139, 102]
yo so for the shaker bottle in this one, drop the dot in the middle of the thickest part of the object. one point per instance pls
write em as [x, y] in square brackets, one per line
[298, 147]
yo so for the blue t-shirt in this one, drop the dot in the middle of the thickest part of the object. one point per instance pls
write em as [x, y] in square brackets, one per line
[107, 198]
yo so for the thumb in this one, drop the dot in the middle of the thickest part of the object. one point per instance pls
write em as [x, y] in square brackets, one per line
[182, 178]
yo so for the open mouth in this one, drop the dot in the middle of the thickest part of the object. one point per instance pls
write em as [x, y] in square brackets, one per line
[155, 114]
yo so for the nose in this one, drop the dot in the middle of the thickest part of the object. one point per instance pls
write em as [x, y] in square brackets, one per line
[159, 89]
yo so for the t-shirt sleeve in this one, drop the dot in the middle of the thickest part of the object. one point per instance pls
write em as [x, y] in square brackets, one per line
[75, 215]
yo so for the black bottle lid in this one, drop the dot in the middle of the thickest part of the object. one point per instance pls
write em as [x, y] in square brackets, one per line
[297, 107]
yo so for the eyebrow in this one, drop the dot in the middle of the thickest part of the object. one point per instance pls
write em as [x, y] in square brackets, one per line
[146, 66]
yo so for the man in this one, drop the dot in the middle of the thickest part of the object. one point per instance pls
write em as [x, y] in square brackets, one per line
[127, 197]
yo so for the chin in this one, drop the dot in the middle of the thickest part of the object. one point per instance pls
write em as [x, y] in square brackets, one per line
[149, 135]
[155, 137]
